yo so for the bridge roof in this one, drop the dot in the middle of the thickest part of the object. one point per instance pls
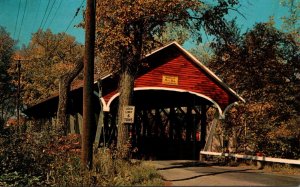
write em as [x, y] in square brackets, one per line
[169, 70]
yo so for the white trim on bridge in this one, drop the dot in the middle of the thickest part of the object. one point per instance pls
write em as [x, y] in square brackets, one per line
[251, 157]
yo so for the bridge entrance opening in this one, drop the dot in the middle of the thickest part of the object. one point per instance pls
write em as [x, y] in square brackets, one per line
[167, 125]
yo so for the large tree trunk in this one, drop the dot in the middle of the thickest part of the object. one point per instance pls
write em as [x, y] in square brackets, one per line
[126, 86]
[64, 89]
[130, 57]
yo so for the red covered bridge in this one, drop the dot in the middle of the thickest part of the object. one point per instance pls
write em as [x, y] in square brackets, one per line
[172, 93]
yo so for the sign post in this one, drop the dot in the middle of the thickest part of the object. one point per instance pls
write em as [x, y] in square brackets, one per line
[128, 114]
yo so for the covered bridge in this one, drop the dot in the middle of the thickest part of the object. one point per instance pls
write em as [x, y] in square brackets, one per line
[172, 93]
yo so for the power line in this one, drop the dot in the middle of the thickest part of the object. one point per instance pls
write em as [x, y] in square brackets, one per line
[22, 19]
[55, 12]
[17, 18]
[76, 13]
[44, 14]
[49, 13]
[36, 15]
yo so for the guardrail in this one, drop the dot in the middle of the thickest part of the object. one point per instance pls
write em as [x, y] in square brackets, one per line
[251, 157]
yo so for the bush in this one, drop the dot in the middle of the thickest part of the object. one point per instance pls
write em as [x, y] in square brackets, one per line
[19, 179]
[46, 159]
[22, 158]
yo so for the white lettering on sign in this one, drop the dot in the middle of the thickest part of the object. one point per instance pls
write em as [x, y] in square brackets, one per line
[128, 114]
[170, 80]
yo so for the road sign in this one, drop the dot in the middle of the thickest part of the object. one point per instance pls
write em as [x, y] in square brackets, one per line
[128, 114]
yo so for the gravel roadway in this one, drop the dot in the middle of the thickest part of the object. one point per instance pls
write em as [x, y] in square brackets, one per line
[189, 173]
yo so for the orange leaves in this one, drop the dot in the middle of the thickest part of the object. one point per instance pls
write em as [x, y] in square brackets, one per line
[63, 144]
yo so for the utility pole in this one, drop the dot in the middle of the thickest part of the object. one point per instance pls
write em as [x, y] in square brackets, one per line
[18, 57]
[88, 81]
[18, 92]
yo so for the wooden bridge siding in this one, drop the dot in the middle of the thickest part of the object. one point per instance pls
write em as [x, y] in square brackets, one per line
[190, 78]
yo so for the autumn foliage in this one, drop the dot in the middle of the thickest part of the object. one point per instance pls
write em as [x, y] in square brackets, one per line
[47, 58]
[263, 66]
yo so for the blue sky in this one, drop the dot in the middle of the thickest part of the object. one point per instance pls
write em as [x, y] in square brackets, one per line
[255, 11]
[59, 16]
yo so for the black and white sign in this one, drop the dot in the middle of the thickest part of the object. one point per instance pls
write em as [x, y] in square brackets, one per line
[128, 114]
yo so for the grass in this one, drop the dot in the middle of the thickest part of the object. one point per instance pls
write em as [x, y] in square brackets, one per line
[107, 171]
[282, 168]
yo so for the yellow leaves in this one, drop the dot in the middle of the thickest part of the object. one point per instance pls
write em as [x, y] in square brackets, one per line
[61, 68]
[285, 130]
[259, 107]
[51, 55]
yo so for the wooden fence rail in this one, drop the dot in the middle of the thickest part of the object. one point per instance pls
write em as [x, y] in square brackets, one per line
[251, 157]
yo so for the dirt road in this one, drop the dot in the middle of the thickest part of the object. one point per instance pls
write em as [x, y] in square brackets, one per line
[188, 173]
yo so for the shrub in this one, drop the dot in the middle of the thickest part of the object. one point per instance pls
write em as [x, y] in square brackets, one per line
[22, 158]
[44, 158]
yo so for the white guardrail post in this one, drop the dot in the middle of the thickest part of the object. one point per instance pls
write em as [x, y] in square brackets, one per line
[251, 157]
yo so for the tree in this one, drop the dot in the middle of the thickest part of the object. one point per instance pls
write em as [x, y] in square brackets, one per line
[203, 52]
[126, 30]
[171, 33]
[263, 66]
[291, 23]
[64, 89]
[50, 56]
[7, 45]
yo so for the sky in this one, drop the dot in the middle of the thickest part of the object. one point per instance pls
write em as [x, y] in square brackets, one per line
[21, 18]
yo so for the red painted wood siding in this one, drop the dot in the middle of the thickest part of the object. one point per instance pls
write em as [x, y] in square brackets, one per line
[190, 78]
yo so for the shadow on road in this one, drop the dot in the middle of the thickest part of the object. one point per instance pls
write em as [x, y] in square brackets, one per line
[182, 165]
[185, 165]
[209, 174]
